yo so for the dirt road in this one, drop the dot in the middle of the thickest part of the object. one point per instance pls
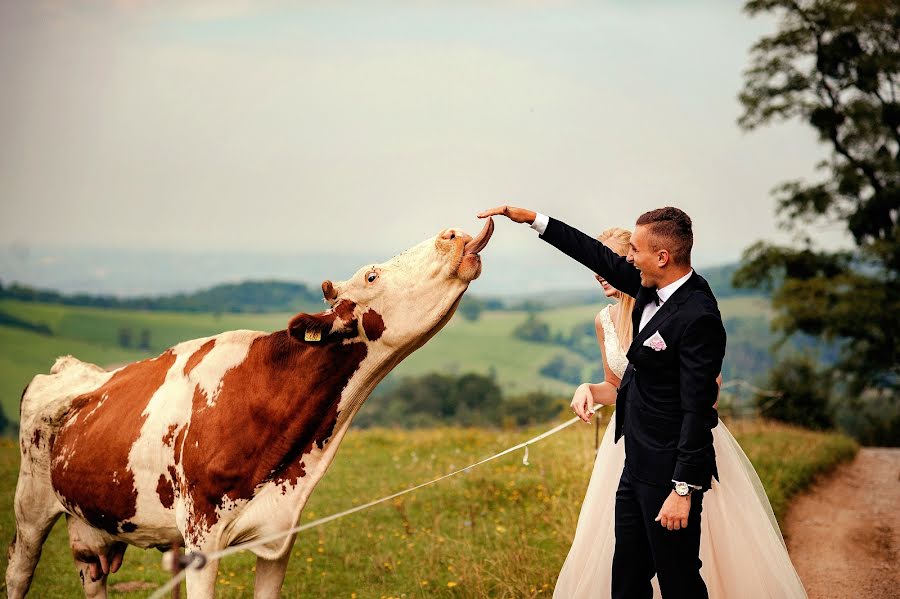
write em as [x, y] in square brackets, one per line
[844, 534]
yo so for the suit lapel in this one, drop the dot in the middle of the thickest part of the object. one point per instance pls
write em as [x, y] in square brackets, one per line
[665, 311]
[644, 296]
[668, 308]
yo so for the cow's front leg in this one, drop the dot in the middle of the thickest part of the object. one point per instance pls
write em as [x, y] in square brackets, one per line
[270, 574]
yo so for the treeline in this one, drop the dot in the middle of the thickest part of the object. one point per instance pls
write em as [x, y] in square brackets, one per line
[249, 296]
[464, 400]
[283, 296]
[8, 320]
[749, 353]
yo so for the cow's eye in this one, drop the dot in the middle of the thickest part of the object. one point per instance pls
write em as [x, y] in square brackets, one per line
[372, 276]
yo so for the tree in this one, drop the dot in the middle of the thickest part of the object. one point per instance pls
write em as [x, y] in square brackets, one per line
[563, 369]
[835, 65]
[470, 308]
[533, 329]
[144, 343]
[124, 337]
[805, 394]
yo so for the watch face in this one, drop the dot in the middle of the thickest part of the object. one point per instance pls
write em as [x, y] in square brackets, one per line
[681, 489]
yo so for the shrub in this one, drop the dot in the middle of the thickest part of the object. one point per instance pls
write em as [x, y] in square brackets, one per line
[805, 394]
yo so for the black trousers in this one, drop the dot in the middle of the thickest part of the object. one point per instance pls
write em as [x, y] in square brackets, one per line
[645, 548]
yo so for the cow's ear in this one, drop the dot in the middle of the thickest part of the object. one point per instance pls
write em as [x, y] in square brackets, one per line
[331, 325]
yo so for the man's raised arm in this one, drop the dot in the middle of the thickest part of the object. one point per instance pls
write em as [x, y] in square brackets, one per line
[577, 245]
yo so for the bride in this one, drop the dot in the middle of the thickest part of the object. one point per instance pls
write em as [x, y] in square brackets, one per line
[741, 546]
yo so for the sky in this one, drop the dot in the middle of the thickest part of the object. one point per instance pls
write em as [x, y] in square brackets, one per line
[282, 130]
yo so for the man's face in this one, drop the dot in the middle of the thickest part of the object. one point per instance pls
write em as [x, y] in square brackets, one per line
[641, 255]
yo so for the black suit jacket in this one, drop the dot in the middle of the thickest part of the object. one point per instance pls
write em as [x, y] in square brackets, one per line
[665, 402]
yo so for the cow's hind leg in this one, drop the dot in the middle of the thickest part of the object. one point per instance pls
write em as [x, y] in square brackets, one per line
[270, 574]
[201, 583]
[93, 588]
[36, 510]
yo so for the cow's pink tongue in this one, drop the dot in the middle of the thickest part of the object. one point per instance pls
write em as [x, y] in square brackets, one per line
[479, 243]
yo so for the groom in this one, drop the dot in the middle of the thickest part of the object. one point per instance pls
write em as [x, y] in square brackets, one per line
[665, 401]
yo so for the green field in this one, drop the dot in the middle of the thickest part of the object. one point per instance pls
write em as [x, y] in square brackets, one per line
[92, 334]
[500, 530]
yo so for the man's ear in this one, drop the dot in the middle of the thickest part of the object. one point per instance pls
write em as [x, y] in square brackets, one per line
[334, 324]
[663, 258]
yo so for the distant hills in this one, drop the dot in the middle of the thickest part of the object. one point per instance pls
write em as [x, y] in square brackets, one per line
[266, 296]
[249, 296]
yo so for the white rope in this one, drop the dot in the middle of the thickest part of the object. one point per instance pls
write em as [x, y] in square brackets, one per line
[206, 558]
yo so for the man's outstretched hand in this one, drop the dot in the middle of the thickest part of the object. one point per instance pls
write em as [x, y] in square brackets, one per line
[516, 215]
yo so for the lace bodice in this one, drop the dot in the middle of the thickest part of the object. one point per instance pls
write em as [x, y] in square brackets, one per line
[612, 350]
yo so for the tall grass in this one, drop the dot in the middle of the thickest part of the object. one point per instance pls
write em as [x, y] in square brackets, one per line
[499, 530]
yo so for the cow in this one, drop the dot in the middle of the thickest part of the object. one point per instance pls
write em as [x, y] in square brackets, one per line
[221, 440]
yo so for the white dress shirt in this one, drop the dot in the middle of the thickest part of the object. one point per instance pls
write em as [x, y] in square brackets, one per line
[540, 223]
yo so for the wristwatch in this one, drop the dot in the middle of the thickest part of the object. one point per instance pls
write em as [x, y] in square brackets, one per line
[683, 489]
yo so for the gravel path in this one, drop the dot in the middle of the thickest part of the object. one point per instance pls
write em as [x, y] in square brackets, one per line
[844, 534]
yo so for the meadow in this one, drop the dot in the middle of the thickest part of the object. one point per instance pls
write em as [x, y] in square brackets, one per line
[500, 530]
[482, 346]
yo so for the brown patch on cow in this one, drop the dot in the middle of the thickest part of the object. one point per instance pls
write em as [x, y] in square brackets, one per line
[96, 444]
[169, 437]
[373, 324]
[336, 324]
[273, 408]
[36, 438]
[165, 491]
[198, 355]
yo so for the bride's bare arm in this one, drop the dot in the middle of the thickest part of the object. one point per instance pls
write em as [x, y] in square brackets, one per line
[604, 393]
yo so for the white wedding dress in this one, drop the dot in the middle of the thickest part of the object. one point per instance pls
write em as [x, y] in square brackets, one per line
[741, 547]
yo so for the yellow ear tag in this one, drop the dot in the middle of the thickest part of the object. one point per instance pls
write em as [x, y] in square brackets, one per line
[312, 335]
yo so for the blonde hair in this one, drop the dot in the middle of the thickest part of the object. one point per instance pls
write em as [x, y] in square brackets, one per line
[619, 240]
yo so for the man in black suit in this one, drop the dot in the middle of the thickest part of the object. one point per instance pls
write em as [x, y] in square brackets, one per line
[665, 401]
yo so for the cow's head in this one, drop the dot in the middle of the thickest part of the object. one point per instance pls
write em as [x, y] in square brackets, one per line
[400, 303]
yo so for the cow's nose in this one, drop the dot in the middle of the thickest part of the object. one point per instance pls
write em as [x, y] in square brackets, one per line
[451, 234]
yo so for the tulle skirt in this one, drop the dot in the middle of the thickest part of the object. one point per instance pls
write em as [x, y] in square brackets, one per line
[741, 547]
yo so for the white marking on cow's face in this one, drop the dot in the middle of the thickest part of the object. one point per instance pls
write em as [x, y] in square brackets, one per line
[414, 292]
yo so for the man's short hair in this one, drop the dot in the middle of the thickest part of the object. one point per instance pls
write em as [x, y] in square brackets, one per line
[670, 229]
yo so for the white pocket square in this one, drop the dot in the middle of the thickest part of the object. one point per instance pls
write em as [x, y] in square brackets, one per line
[655, 342]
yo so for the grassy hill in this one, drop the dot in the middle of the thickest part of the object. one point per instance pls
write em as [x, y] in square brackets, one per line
[246, 296]
[483, 346]
[500, 530]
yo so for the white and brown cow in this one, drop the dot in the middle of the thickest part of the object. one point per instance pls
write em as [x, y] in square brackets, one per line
[221, 440]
